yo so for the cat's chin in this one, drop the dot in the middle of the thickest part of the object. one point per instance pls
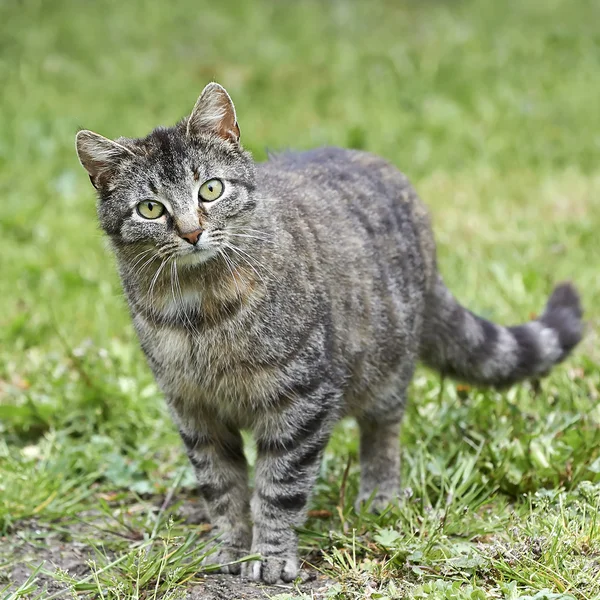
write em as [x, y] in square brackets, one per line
[196, 257]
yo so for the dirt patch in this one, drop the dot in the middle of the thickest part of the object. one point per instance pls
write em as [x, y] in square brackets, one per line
[223, 587]
[22, 552]
[20, 557]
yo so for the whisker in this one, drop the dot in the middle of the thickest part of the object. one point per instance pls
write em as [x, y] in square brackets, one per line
[262, 234]
[192, 329]
[173, 289]
[229, 266]
[174, 277]
[242, 257]
[139, 257]
[244, 228]
[254, 237]
[254, 260]
[160, 253]
[146, 264]
[150, 293]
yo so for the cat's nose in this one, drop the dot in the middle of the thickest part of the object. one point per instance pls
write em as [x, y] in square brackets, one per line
[192, 236]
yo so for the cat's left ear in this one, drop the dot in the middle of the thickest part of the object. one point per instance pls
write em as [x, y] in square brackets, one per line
[99, 156]
[214, 113]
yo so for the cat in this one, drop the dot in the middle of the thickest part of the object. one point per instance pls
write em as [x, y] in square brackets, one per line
[279, 297]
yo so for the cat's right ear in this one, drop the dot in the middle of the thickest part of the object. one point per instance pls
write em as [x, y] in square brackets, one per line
[99, 156]
[214, 113]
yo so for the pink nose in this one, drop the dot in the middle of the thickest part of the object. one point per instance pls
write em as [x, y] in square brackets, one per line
[192, 236]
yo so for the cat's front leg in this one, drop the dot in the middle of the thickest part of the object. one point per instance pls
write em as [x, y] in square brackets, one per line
[289, 452]
[217, 455]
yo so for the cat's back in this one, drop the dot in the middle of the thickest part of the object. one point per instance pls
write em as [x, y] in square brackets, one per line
[329, 168]
[348, 194]
[336, 181]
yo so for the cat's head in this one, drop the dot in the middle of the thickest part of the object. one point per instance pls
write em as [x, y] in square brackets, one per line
[179, 192]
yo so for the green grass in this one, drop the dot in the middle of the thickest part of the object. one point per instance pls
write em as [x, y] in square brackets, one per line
[489, 107]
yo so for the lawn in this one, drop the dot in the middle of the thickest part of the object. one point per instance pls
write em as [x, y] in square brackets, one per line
[489, 107]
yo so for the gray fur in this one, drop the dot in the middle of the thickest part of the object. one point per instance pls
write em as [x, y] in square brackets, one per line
[310, 295]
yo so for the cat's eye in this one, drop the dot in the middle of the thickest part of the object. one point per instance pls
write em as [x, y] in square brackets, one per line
[211, 190]
[150, 209]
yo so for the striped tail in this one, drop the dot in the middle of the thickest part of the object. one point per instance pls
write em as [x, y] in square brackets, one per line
[460, 344]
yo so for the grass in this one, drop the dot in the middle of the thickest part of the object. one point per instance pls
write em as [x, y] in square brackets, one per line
[488, 107]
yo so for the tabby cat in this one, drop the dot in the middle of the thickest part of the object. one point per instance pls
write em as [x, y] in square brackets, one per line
[280, 297]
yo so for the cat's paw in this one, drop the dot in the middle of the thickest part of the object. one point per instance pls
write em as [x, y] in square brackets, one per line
[272, 569]
[375, 503]
[226, 549]
[225, 560]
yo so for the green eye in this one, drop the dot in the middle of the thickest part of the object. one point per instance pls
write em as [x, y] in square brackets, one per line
[211, 190]
[150, 209]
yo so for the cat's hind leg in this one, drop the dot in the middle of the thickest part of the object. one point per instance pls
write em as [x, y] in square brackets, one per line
[379, 423]
[379, 464]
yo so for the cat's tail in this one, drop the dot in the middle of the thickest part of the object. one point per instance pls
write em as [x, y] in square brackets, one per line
[460, 344]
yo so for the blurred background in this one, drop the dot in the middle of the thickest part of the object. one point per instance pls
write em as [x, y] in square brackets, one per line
[489, 107]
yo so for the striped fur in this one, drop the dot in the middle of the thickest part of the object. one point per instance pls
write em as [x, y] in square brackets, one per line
[458, 343]
[310, 295]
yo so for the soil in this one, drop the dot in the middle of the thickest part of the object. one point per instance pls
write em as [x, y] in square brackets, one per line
[32, 544]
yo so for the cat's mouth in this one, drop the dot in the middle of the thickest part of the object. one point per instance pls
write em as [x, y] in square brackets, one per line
[197, 255]
[198, 250]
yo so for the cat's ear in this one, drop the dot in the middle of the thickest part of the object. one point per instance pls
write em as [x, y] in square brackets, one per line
[100, 156]
[214, 112]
